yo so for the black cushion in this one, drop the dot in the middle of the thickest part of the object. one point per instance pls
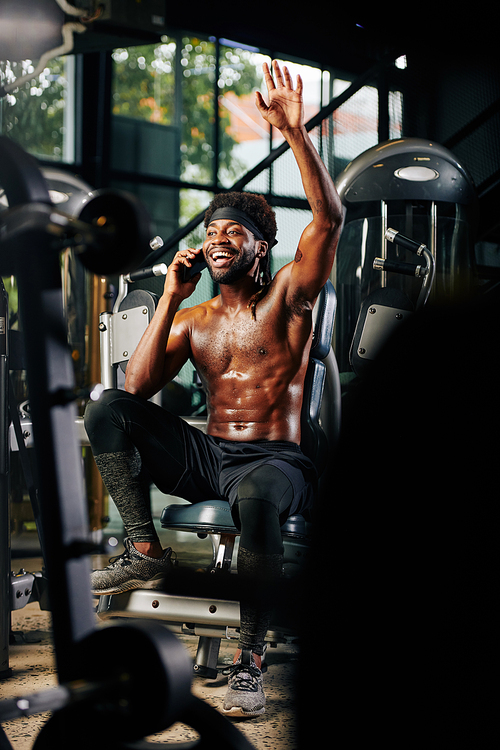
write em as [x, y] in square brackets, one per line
[214, 517]
[325, 318]
[209, 517]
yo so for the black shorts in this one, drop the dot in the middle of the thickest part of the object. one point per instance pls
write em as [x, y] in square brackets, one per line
[182, 460]
[226, 463]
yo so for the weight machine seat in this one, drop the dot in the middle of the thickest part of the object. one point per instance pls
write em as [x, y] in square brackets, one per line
[214, 517]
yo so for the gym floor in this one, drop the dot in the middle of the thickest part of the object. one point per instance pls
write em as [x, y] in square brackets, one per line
[31, 659]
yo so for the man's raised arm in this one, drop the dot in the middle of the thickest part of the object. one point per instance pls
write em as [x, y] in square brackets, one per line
[317, 245]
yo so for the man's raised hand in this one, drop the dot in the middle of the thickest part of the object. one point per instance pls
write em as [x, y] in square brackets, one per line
[285, 110]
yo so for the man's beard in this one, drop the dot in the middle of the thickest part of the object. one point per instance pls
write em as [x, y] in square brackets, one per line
[238, 269]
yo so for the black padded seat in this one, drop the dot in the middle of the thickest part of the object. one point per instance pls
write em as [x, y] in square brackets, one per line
[208, 517]
[214, 517]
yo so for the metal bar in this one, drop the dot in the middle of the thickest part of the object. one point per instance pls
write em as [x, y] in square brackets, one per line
[383, 214]
[211, 613]
[4, 488]
[108, 376]
[60, 479]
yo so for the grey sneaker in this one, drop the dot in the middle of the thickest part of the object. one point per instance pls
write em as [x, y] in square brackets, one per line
[245, 696]
[131, 570]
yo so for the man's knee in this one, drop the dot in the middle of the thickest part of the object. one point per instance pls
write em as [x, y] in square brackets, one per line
[96, 411]
[266, 483]
[105, 420]
[264, 498]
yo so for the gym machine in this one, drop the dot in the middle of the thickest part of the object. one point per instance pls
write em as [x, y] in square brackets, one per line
[400, 197]
[101, 700]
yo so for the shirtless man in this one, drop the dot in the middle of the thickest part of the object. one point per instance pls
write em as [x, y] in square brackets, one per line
[250, 346]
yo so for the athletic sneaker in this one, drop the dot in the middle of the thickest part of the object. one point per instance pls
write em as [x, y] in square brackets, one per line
[131, 570]
[245, 696]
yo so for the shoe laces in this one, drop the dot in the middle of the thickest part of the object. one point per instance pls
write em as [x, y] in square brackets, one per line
[120, 560]
[243, 675]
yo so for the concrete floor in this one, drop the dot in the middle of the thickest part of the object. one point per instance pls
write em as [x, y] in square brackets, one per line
[32, 664]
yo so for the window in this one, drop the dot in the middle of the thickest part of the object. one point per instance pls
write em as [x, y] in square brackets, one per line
[40, 115]
[179, 84]
[243, 135]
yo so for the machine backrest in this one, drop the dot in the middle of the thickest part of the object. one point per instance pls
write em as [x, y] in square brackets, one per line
[321, 407]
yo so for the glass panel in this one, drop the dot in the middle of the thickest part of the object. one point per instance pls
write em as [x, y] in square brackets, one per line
[355, 126]
[145, 88]
[144, 136]
[291, 223]
[286, 176]
[260, 183]
[395, 114]
[192, 202]
[143, 82]
[244, 135]
[39, 115]
[198, 63]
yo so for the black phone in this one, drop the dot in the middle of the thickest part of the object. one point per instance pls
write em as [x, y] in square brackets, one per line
[199, 264]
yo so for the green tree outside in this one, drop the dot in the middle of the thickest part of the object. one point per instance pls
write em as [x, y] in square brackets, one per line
[144, 86]
[34, 115]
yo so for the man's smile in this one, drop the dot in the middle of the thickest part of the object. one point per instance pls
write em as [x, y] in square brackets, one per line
[221, 258]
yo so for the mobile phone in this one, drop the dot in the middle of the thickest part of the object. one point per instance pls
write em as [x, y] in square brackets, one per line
[198, 265]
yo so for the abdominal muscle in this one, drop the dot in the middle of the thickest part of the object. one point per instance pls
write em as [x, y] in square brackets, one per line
[246, 408]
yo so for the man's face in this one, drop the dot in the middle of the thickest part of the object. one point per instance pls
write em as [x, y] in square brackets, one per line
[231, 251]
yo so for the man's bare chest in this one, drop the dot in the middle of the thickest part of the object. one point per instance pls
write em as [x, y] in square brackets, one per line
[241, 345]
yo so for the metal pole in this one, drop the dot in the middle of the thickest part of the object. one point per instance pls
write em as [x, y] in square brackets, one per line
[51, 383]
[63, 505]
[5, 605]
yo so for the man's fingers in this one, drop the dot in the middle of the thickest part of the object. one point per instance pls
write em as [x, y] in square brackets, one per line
[284, 78]
[186, 255]
[259, 101]
[288, 77]
[268, 77]
[277, 73]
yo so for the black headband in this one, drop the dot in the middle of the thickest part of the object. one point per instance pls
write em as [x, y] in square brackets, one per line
[236, 214]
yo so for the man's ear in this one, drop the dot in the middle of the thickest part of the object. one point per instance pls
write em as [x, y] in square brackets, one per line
[263, 248]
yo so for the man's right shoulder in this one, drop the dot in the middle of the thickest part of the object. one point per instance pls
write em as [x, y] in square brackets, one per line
[188, 316]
